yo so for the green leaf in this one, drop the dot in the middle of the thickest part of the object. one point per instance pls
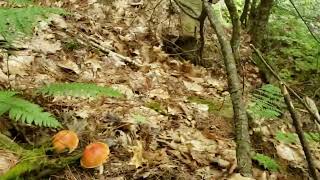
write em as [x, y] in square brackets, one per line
[266, 102]
[287, 138]
[17, 22]
[139, 119]
[79, 90]
[25, 111]
[267, 162]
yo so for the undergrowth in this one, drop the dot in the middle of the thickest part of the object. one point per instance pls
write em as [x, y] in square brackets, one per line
[24, 111]
[291, 47]
[19, 22]
[266, 162]
[78, 90]
[266, 102]
[292, 138]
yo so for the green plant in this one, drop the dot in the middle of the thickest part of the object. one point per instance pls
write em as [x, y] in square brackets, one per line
[15, 22]
[266, 102]
[315, 137]
[223, 109]
[71, 45]
[290, 46]
[20, 2]
[25, 111]
[157, 106]
[266, 162]
[78, 90]
[289, 138]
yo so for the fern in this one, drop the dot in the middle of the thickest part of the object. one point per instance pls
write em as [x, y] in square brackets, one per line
[289, 138]
[25, 111]
[266, 102]
[15, 22]
[79, 90]
[20, 2]
[266, 162]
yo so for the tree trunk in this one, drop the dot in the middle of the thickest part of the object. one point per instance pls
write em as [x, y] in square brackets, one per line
[243, 149]
[235, 40]
[252, 14]
[259, 24]
[245, 11]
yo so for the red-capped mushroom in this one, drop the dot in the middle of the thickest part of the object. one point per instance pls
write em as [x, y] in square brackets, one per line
[65, 139]
[94, 155]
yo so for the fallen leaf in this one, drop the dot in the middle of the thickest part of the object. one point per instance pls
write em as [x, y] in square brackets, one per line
[137, 160]
[159, 93]
[193, 86]
[287, 153]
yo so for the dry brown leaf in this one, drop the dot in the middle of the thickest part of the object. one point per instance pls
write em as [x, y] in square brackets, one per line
[288, 153]
[69, 65]
[159, 93]
[18, 64]
[193, 86]
[238, 176]
[7, 161]
[42, 44]
[137, 160]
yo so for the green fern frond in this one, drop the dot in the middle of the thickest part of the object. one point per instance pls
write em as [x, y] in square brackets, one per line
[7, 94]
[25, 111]
[289, 138]
[266, 162]
[79, 90]
[266, 102]
[15, 22]
[20, 2]
[310, 136]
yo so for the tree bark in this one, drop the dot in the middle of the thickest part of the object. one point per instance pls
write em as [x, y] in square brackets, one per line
[236, 28]
[243, 149]
[252, 13]
[245, 11]
[259, 24]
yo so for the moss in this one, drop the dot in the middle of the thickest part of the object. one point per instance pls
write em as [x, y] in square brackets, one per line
[223, 109]
[157, 106]
[71, 45]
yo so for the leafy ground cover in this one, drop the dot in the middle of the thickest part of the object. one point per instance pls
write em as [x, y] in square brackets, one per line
[175, 119]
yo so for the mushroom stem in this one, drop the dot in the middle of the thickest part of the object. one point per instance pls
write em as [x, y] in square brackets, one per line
[100, 169]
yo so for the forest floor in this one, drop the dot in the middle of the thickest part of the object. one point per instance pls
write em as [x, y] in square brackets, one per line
[175, 121]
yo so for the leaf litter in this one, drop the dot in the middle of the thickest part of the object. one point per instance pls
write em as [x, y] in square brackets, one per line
[118, 44]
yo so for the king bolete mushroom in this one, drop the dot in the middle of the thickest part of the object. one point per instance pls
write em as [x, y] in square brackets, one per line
[65, 139]
[94, 155]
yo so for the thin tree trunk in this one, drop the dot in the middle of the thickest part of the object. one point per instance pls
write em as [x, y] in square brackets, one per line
[252, 14]
[258, 29]
[236, 28]
[243, 149]
[202, 19]
[298, 127]
[245, 11]
[258, 25]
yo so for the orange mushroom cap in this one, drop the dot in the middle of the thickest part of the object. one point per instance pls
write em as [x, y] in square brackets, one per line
[94, 155]
[65, 139]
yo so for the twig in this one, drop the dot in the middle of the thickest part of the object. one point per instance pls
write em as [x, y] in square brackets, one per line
[304, 21]
[85, 39]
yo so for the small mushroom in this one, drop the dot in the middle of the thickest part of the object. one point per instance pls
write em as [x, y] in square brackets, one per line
[65, 139]
[94, 155]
